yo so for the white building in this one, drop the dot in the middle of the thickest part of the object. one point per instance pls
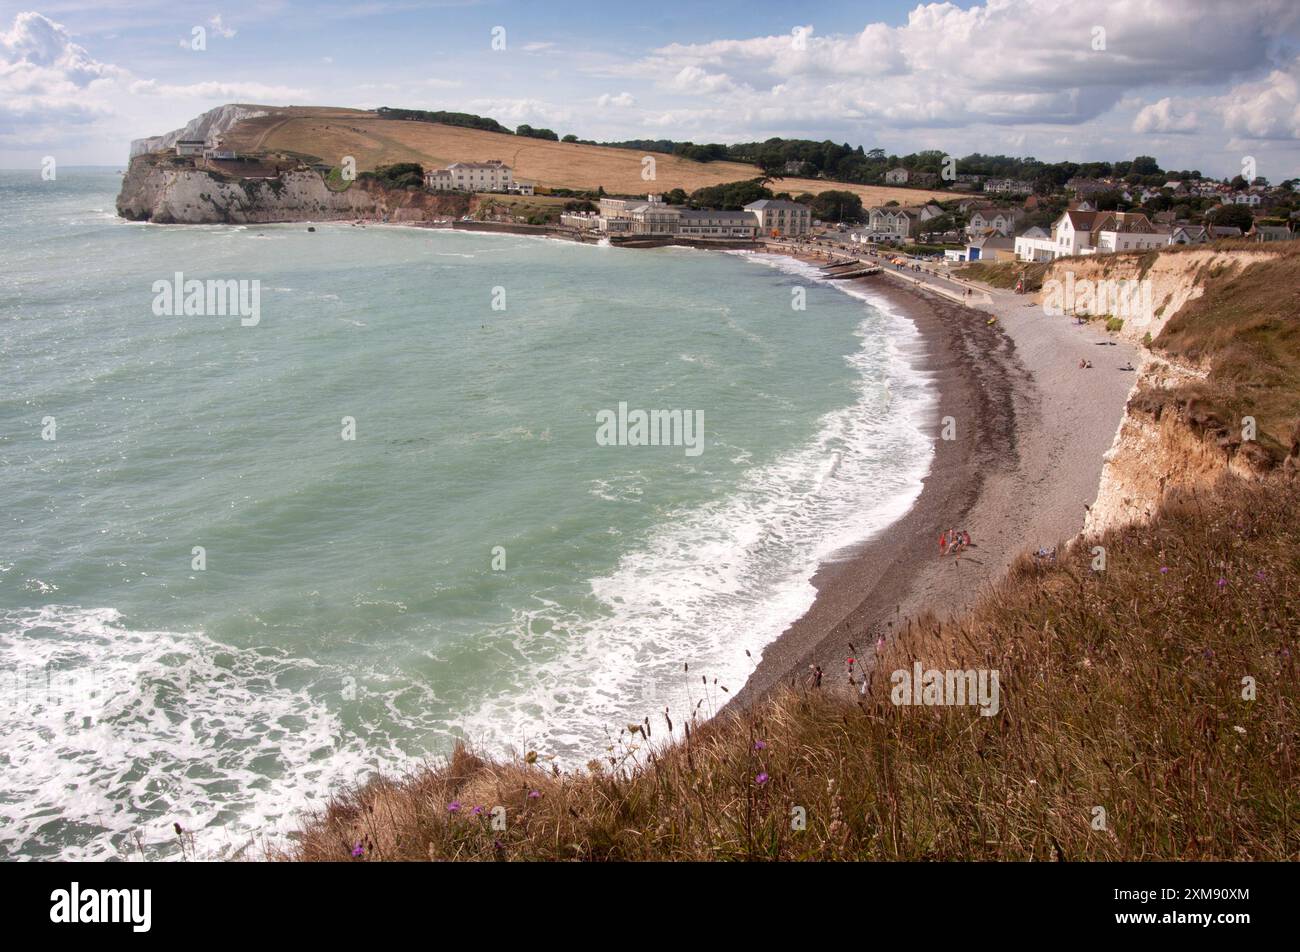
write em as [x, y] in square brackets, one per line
[899, 222]
[1035, 245]
[712, 223]
[493, 176]
[778, 217]
[1000, 220]
[1079, 232]
[190, 146]
[1006, 186]
[897, 176]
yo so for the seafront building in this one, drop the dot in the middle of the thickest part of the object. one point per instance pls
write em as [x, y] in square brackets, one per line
[491, 176]
[652, 217]
[780, 218]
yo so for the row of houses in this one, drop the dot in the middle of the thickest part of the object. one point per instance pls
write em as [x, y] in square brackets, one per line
[651, 217]
[1085, 232]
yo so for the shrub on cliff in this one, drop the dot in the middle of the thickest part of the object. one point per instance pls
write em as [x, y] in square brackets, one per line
[401, 175]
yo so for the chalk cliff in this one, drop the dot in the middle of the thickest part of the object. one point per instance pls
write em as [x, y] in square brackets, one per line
[165, 192]
[207, 127]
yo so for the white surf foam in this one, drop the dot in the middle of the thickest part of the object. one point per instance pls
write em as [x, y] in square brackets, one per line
[109, 736]
[717, 581]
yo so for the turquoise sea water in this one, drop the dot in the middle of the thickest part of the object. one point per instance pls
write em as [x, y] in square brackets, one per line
[353, 611]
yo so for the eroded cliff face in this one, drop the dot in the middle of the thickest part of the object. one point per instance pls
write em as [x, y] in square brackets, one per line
[1167, 440]
[164, 193]
[1165, 280]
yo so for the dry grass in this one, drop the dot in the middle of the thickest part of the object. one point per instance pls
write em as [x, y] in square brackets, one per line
[1005, 274]
[329, 134]
[1120, 689]
[1247, 327]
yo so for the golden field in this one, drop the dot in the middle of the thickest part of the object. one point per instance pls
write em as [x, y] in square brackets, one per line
[331, 133]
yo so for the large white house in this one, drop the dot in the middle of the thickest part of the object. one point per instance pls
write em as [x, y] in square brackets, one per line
[899, 222]
[778, 217]
[1079, 232]
[492, 176]
[1000, 220]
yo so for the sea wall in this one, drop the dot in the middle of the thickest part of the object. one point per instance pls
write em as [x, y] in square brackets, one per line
[164, 193]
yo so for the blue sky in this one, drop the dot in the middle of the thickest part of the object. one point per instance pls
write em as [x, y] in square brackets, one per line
[1198, 84]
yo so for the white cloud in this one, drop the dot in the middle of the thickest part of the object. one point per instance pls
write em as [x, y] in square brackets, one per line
[1268, 109]
[216, 89]
[1164, 116]
[514, 111]
[1006, 62]
[46, 80]
[622, 100]
[220, 28]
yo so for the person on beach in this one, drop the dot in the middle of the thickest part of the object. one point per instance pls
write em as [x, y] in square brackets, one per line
[943, 543]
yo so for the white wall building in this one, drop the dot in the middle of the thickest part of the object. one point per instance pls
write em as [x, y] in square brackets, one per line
[1035, 245]
[778, 217]
[493, 176]
[1000, 220]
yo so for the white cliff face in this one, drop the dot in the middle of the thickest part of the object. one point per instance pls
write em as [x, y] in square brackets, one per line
[207, 127]
[190, 196]
[165, 192]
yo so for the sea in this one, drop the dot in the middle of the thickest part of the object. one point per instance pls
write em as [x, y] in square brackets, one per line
[245, 563]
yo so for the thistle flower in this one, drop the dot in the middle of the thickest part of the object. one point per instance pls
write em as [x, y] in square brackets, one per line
[761, 779]
[1164, 570]
[478, 811]
[358, 850]
[534, 794]
[453, 807]
[760, 745]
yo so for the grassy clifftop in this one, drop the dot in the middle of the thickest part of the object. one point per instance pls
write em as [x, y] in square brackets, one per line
[328, 134]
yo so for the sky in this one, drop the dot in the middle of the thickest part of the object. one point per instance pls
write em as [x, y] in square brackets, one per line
[1199, 84]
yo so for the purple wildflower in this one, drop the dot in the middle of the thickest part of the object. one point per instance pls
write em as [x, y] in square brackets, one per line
[534, 794]
[760, 745]
[1164, 570]
[358, 850]
[453, 807]
[1221, 582]
[478, 811]
[761, 779]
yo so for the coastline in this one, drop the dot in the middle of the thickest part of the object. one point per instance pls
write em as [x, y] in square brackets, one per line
[1031, 431]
